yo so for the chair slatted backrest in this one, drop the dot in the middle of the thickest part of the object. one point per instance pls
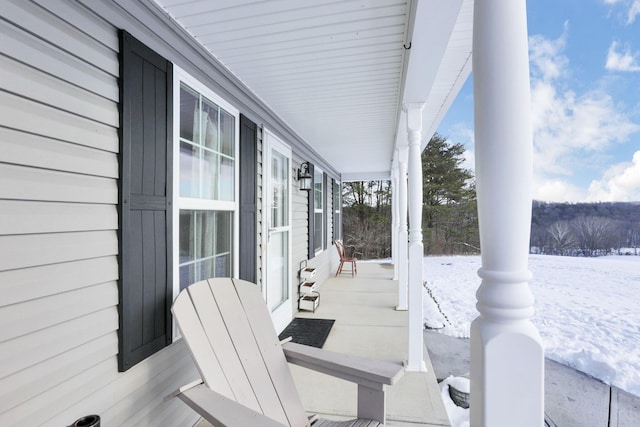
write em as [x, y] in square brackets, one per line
[340, 248]
[226, 325]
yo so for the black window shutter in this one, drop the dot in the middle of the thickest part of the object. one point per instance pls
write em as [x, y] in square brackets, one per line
[145, 195]
[248, 179]
[334, 222]
[325, 208]
[312, 251]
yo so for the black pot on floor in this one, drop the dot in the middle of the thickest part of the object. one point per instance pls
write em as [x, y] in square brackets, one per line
[88, 421]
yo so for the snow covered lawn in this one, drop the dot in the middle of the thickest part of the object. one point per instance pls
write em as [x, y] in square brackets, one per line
[587, 309]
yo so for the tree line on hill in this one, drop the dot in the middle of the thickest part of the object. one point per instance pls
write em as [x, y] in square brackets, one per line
[586, 229]
[450, 218]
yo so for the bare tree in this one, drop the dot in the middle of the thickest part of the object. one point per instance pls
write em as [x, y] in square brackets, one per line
[593, 235]
[562, 239]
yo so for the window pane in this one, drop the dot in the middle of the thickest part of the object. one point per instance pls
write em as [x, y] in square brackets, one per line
[317, 190]
[210, 125]
[207, 163]
[210, 176]
[318, 235]
[187, 237]
[227, 179]
[188, 113]
[223, 266]
[189, 165]
[280, 189]
[204, 270]
[278, 290]
[206, 245]
[205, 229]
[187, 275]
[227, 133]
[224, 234]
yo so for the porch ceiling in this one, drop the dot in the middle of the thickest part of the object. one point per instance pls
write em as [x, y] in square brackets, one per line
[337, 72]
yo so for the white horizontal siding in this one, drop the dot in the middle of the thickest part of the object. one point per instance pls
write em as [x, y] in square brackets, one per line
[30, 250]
[41, 55]
[78, 17]
[47, 27]
[29, 83]
[127, 396]
[300, 225]
[17, 319]
[25, 351]
[40, 119]
[26, 183]
[26, 284]
[27, 217]
[31, 150]
[34, 380]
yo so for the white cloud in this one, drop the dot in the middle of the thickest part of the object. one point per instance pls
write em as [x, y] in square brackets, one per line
[545, 56]
[571, 131]
[553, 190]
[623, 60]
[634, 11]
[621, 182]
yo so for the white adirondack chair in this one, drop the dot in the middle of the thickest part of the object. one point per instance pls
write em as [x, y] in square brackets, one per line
[246, 380]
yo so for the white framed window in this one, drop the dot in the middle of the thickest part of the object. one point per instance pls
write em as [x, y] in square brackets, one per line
[206, 176]
[319, 232]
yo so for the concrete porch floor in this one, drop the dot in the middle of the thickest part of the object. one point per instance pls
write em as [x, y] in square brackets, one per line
[367, 324]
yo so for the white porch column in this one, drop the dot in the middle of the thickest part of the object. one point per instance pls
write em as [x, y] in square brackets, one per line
[416, 249]
[507, 358]
[403, 235]
[395, 221]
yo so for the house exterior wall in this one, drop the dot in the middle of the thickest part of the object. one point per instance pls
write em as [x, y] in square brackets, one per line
[323, 261]
[58, 212]
[58, 233]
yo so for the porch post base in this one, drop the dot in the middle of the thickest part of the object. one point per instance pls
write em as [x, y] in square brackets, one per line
[507, 374]
[416, 367]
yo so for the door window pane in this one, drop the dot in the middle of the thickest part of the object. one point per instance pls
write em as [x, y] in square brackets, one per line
[280, 188]
[278, 288]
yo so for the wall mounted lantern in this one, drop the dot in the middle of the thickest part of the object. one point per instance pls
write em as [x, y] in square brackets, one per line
[304, 177]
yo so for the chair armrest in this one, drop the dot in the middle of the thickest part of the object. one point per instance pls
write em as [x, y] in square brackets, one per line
[221, 411]
[371, 373]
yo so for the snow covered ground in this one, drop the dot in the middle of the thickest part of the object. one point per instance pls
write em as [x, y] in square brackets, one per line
[587, 309]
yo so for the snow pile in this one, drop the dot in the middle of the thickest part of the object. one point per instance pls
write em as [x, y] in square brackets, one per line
[458, 416]
[587, 309]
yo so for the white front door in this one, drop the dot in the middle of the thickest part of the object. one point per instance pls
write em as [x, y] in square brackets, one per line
[277, 280]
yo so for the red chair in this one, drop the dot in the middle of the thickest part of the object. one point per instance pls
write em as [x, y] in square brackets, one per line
[343, 259]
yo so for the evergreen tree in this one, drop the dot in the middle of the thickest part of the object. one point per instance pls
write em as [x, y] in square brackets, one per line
[450, 222]
[450, 219]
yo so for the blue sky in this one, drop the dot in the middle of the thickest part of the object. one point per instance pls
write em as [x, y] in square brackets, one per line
[585, 92]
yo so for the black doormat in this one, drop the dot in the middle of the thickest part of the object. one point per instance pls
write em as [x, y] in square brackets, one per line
[312, 332]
